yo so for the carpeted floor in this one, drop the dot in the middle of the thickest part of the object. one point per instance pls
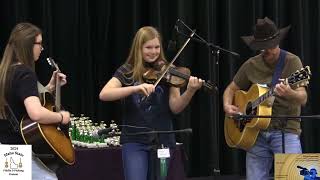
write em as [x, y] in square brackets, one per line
[218, 178]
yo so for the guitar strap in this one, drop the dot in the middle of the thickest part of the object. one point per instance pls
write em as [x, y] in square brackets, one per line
[279, 68]
[276, 74]
[12, 118]
[275, 80]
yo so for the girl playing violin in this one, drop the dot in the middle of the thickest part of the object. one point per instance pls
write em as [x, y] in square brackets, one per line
[145, 114]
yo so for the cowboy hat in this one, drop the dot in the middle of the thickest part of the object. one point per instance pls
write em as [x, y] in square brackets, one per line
[266, 35]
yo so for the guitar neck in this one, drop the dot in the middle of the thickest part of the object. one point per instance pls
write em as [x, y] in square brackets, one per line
[296, 79]
[58, 95]
[263, 97]
[57, 83]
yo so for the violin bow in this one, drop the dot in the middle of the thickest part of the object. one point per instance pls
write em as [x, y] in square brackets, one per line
[174, 59]
[171, 63]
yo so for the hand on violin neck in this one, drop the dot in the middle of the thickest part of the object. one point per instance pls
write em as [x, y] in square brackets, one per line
[194, 83]
[145, 89]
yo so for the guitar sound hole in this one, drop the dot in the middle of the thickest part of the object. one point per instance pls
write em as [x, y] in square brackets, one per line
[249, 111]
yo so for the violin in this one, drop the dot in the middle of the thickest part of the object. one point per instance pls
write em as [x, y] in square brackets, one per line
[175, 76]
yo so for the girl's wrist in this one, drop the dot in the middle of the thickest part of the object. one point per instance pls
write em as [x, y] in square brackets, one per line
[61, 121]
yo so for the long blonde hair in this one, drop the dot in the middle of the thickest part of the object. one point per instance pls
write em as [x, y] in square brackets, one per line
[19, 49]
[135, 58]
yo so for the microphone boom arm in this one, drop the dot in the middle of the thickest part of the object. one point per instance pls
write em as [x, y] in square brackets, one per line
[188, 130]
[201, 40]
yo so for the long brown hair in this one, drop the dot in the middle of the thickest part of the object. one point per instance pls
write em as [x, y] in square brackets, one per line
[19, 49]
[143, 35]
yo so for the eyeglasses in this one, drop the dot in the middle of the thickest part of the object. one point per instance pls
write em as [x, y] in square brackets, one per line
[39, 43]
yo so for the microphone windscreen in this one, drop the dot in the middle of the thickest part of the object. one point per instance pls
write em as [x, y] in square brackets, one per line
[172, 45]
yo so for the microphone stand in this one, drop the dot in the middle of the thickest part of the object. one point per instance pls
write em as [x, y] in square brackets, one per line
[156, 146]
[214, 49]
[201, 40]
[240, 117]
[214, 74]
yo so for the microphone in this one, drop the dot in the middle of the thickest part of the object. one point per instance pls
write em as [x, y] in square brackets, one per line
[98, 133]
[172, 45]
[301, 167]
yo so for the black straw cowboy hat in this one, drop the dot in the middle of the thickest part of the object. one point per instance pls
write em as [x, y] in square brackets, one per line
[266, 35]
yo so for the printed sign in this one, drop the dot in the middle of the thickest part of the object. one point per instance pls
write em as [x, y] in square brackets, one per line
[15, 162]
[297, 166]
[163, 153]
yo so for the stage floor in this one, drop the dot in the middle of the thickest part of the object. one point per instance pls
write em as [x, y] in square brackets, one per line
[227, 177]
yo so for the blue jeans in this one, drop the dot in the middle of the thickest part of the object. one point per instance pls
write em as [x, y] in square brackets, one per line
[259, 158]
[40, 172]
[140, 162]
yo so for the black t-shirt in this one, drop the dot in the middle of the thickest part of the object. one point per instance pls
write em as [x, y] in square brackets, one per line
[151, 114]
[23, 84]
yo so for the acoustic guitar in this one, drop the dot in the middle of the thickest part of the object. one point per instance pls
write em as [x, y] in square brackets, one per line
[49, 142]
[243, 133]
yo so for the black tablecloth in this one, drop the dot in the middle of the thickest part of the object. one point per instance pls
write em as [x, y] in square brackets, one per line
[106, 164]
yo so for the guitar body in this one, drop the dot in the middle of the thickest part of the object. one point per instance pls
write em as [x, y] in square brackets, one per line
[47, 139]
[242, 134]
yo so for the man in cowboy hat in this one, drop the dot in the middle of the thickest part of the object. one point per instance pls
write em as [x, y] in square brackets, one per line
[270, 65]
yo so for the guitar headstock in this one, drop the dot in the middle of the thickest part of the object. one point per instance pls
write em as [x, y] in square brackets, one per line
[300, 77]
[52, 63]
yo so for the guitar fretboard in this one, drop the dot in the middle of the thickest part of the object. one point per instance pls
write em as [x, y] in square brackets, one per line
[263, 97]
[299, 78]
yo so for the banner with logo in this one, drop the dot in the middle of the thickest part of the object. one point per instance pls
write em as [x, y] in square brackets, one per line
[15, 162]
[297, 166]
